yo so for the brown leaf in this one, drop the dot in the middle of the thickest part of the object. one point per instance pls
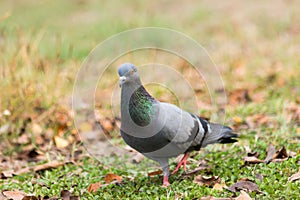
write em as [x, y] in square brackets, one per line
[50, 165]
[298, 100]
[294, 177]
[258, 97]
[30, 198]
[157, 172]
[243, 196]
[85, 127]
[107, 125]
[257, 120]
[7, 174]
[298, 130]
[36, 129]
[202, 165]
[62, 117]
[60, 142]
[94, 187]
[65, 194]
[255, 154]
[252, 160]
[237, 120]
[15, 195]
[244, 185]
[111, 177]
[22, 171]
[281, 154]
[23, 139]
[207, 180]
[45, 166]
[219, 186]
[138, 158]
[239, 96]
[270, 153]
[194, 171]
[35, 154]
[74, 198]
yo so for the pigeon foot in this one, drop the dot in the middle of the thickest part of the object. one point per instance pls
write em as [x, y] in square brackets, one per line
[182, 162]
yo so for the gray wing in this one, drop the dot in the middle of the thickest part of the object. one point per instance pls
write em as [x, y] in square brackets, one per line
[182, 129]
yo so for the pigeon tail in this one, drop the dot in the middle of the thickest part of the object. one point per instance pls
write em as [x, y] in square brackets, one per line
[220, 134]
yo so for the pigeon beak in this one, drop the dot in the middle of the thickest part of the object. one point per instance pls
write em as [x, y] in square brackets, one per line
[122, 80]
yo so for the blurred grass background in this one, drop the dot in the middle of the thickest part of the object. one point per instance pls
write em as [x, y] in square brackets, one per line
[44, 43]
[255, 44]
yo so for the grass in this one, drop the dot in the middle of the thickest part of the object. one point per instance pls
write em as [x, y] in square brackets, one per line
[254, 45]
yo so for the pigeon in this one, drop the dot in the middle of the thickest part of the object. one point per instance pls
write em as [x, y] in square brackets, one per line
[162, 130]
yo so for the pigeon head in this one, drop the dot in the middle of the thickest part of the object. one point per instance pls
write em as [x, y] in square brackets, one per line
[128, 74]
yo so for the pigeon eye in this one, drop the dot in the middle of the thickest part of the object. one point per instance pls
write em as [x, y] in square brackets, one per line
[132, 71]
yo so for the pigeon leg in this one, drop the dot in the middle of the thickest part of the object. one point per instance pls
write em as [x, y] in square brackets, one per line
[166, 181]
[182, 162]
[166, 172]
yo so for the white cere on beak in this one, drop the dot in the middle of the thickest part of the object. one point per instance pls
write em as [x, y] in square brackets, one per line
[122, 80]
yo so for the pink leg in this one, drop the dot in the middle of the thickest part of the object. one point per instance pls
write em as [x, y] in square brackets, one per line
[165, 181]
[182, 162]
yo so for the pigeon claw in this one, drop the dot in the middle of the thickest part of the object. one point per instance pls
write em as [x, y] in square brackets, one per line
[182, 162]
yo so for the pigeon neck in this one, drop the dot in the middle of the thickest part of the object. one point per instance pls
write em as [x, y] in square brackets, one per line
[140, 105]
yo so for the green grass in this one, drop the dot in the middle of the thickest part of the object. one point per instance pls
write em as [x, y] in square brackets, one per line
[254, 45]
[137, 185]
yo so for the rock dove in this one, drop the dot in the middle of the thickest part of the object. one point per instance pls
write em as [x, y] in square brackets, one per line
[161, 130]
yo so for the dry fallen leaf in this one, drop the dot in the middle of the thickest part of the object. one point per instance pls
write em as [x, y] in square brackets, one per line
[194, 171]
[243, 196]
[257, 120]
[109, 179]
[270, 153]
[30, 198]
[237, 120]
[94, 187]
[66, 195]
[239, 96]
[7, 173]
[157, 172]
[112, 177]
[85, 127]
[50, 165]
[294, 177]
[219, 186]
[298, 130]
[281, 155]
[107, 125]
[244, 185]
[138, 158]
[36, 129]
[252, 160]
[23, 139]
[207, 180]
[60, 142]
[15, 195]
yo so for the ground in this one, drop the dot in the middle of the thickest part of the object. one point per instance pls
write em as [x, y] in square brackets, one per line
[255, 46]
